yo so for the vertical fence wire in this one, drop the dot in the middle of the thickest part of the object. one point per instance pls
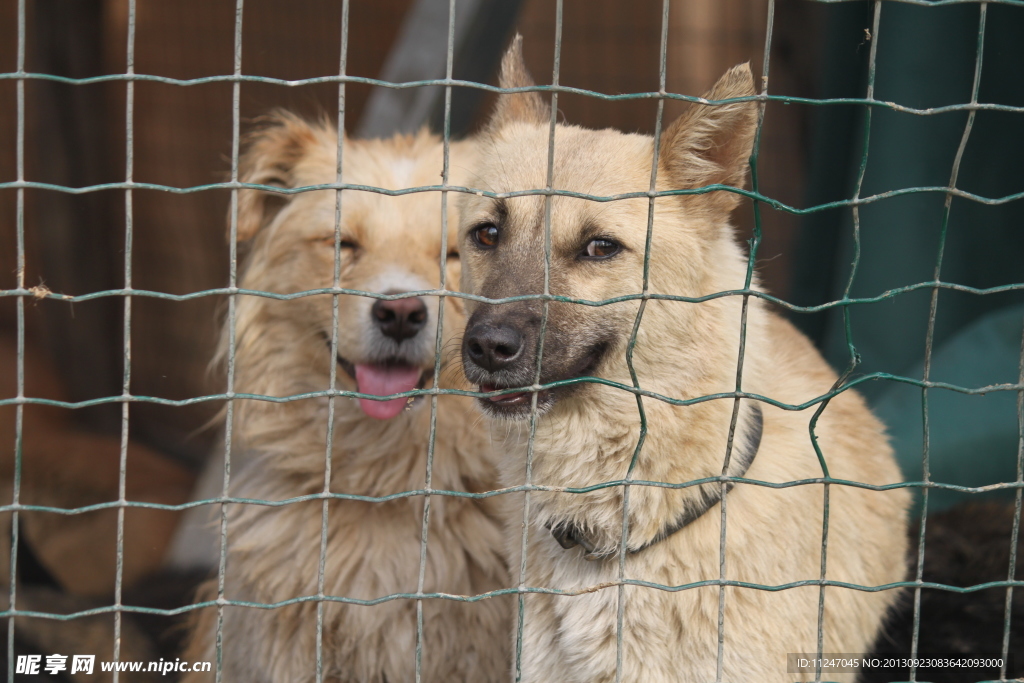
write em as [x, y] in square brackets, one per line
[876, 23]
[438, 341]
[19, 409]
[854, 356]
[741, 355]
[930, 335]
[321, 572]
[525, 539]
[872, 36]
[642, 436]
[129, 174]
[1015, 533]
[229, 408]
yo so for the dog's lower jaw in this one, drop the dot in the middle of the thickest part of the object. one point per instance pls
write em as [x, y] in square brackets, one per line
[514, 407]
[517, 406]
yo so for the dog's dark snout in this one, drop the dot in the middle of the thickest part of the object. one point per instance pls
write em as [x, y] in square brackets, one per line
[493, 347]
[400, 318]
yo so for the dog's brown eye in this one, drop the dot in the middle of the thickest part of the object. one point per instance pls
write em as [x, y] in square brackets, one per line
[344, 244]
[486, 236]
[601, 248]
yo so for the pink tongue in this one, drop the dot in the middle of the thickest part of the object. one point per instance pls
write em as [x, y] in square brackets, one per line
[384, 381]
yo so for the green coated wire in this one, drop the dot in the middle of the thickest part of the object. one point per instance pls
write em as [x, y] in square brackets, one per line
[1015, 533]
[653, 95]
[991, 388]
[549, 183]
[771, 588]
[230, 291]
[930, 334]
[438, 342]
[754, 242]
[19, 413]
[21, 293]
[35, 293]
[631, 345]
[774, 203]
[229, 407]
[333, 373]
[847, 327]
[989, 488]
[129, 232]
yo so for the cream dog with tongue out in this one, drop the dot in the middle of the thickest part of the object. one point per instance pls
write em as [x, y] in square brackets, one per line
[390, 245]
[385, 381]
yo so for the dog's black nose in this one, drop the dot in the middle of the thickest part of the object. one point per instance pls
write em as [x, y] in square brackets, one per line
[493, 347]
[400, 318]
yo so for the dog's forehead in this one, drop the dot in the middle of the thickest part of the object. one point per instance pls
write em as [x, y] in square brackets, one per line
[393, 164]
[414, 218]
[586, 163]
[594, 162]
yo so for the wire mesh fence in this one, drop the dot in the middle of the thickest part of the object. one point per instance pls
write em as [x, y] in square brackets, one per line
[847, 380]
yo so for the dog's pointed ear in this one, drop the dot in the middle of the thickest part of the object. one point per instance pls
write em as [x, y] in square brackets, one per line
[521, 106]
[711, 144]
[271, 153]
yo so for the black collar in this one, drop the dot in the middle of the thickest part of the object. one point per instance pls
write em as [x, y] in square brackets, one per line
[569, 535]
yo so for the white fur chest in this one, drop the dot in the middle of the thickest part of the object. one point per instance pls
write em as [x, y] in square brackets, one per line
[574, 637]
[670, 616]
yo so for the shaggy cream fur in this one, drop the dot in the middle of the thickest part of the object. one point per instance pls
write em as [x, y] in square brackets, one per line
[588, 434]
[389, 244]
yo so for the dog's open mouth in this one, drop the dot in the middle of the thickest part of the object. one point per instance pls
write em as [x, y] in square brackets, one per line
[517, 406]
[521, 398]
[385, 379]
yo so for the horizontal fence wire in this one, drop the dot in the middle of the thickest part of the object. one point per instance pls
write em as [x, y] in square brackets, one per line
[21, 293]
[774, 203]
[340, 599]
[538, 387]
[510, 591]
[513, 489]
[450, 82]
[41, 292]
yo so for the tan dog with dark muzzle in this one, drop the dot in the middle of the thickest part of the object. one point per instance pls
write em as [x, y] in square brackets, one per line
[588, 433]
